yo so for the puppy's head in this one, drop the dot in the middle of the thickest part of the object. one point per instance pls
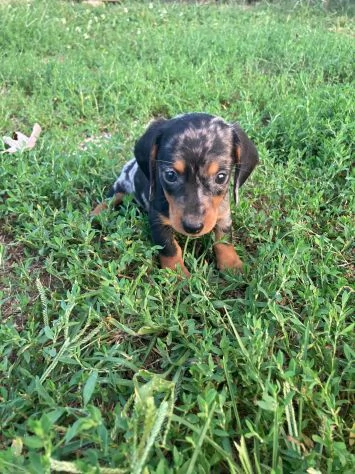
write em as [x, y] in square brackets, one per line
[189, 161]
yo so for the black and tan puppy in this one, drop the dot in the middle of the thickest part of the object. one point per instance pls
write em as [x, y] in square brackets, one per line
[180, 175]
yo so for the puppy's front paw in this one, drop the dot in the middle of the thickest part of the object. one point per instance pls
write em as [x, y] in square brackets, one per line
[227, 258]
[174, 263]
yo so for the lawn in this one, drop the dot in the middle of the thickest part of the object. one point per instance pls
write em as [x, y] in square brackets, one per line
[108, 363]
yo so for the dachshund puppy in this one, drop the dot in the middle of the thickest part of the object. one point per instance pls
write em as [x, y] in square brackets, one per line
[180, 175]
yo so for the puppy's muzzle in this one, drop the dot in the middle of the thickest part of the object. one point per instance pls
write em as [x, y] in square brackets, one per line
[192, 225]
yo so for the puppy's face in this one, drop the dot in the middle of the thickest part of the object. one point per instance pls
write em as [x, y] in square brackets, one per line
[194, 162]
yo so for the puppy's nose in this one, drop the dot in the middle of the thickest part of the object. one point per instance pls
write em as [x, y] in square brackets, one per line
[192, 226]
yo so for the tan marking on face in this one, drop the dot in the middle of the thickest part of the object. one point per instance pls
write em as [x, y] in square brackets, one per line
[211, 215]
[175, 262]
[164, 220]
[212, 212]
[179, 166]
[175, 214]
[227, 258]
[212, 168]
[217, 201]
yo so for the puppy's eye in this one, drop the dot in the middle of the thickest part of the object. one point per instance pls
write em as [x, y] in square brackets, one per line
[221, 178]
[170, 176]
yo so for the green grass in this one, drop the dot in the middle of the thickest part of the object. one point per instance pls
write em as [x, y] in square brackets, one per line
[109, 364]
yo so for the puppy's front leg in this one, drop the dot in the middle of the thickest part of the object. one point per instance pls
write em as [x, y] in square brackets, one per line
[162, 234]
[226, 256]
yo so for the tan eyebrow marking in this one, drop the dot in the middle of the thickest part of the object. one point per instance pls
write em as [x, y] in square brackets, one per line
[179, 166]
[212, 168]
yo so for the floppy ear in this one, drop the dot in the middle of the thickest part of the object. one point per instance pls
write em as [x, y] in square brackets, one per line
[146, 149]
[145, 145]
[246, 156]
